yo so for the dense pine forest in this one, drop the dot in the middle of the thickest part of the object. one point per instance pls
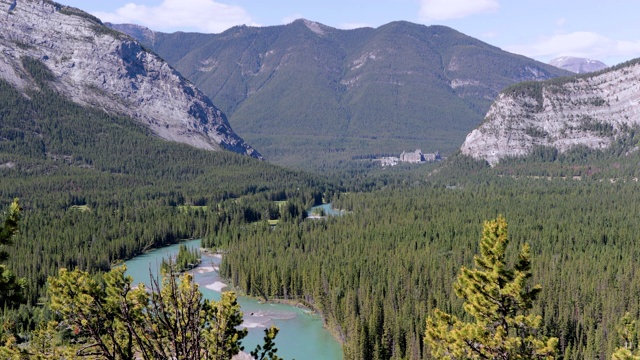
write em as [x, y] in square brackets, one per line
[377, 272]
[96, 189]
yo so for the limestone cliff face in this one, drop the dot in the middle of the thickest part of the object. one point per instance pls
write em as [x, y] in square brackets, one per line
[590, 110]
[99, 67]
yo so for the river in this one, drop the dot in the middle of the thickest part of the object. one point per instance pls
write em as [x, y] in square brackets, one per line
[327, 209]
[301, 336]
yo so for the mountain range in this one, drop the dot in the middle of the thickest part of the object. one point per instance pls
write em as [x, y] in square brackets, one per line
[87, 62]
[305, 93]
[310, 94]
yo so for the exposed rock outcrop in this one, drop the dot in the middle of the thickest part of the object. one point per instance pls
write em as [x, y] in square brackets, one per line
[140, 33]
[97, 66]
[590, 110]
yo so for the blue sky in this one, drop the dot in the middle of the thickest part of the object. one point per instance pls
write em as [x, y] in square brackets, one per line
[541, 29]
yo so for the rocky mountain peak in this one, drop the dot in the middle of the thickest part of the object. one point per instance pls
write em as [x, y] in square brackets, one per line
[578, 65]
[590, 110]
[96, 66]
[315, 27]
[141, 33]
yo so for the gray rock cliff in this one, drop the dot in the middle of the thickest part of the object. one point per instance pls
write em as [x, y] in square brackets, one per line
[97, 66]
[140, 33]
[590, 110]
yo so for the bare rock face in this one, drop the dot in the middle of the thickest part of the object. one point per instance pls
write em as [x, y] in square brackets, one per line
[140, 33]
[97, 66]
[590, 110]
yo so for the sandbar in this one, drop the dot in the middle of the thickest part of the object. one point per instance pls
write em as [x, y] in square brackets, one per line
[216, 286]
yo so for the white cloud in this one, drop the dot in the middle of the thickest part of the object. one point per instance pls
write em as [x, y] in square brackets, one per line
[199, 15]
[454, 9]
[561, 21]
[580, 44]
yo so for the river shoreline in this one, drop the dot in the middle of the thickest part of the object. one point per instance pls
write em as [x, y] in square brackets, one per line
[303, 331]
[147, 250]
[300, 304]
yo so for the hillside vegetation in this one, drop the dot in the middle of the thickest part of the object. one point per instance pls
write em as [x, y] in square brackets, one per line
[306, 94]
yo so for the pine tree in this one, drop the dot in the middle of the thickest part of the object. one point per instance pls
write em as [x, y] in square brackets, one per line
[11, 288]
[627, 331]
[499, 301]
[114, 320]
[268, 350]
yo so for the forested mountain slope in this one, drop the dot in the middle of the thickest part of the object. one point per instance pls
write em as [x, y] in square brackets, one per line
[593, 110]
[96, 187]
[94, 65]
[308, 93]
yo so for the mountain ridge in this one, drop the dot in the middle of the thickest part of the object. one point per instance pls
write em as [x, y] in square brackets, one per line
[96, 66]
[335, 94]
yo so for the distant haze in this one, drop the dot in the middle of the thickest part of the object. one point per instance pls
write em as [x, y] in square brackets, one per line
[578, 65]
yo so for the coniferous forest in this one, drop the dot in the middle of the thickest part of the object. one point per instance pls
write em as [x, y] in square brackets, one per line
[95, 189]
[377, 272]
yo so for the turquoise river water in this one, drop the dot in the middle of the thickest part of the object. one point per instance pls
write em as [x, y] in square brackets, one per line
[302, 335]
[328, 210]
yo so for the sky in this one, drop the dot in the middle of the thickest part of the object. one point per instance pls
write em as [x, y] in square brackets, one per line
[605, 30]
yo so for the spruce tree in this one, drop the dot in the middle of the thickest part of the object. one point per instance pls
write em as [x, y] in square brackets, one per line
[499, 301]
[11, 288]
